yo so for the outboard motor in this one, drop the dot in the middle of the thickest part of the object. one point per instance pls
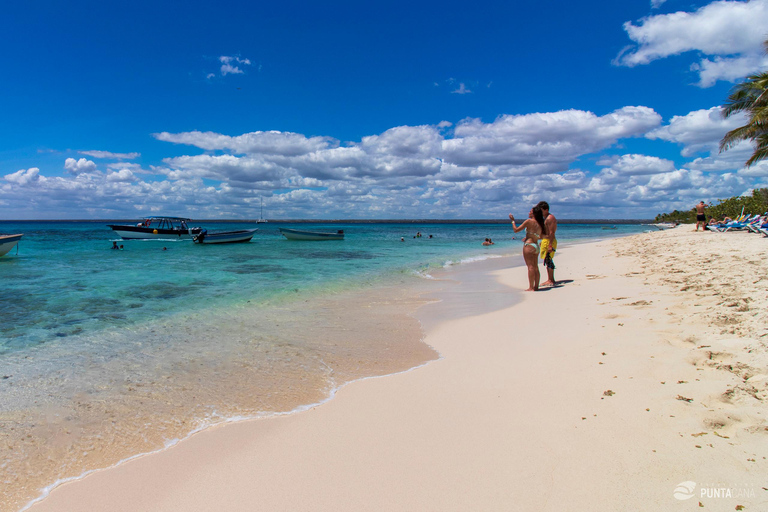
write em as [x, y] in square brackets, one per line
[200, 236]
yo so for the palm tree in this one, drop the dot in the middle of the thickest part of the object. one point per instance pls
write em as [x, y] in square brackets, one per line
[750, 97]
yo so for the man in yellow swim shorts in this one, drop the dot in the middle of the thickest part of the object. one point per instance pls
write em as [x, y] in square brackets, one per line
[548, 243]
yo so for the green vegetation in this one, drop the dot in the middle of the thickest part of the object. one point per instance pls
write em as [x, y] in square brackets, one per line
[756, 203]
[751, 98]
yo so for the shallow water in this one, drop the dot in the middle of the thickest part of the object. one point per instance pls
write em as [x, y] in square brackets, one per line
[105, 354]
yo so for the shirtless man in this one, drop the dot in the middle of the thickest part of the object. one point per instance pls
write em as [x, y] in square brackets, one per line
[548, 243]
[700, 217]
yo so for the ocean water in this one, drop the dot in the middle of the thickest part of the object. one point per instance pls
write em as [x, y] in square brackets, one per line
[105, 354]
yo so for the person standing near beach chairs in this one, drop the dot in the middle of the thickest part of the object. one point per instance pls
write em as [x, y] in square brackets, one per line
[701, 218]
[535, 230]
[548, 243]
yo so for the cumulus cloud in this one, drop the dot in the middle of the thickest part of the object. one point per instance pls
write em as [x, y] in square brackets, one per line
[81, 166]
[23, 177]
[229, 65]
[698, 131]
[655, 4]
[121, 175]
[110, 155]
[551, 141]
[476, 169]
[270, 142]
[639, 165]
[729, 33]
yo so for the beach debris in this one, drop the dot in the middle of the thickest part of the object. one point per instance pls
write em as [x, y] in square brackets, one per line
[700, 434]
[701, 504]
[621, 325]
[720, 435]
[698, 446]
[682, 382]
[603, 353]
[663, 382]
[739, 507]
[608, 393]
[684, 399]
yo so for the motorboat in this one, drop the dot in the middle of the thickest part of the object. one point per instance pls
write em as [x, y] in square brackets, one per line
[157, 228]
[224, 237]
[8, 242]
[298, 234]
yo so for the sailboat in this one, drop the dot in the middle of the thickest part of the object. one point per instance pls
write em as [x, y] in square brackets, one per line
[261, 220]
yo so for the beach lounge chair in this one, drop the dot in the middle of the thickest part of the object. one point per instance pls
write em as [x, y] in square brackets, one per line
[739, 224]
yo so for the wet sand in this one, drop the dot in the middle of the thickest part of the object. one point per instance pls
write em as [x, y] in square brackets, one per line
[184, 374]
[645, 371]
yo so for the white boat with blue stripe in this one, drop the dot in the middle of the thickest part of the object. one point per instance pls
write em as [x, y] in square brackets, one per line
[8, 242]
[298, 234]
[224, 237]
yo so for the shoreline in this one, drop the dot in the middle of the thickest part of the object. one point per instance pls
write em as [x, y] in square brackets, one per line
[457, 429]
[405, 299]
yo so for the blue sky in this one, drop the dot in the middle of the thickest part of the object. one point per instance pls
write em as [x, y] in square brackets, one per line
[371, 110]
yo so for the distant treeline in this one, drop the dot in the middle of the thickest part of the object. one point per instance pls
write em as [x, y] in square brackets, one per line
[731, 207]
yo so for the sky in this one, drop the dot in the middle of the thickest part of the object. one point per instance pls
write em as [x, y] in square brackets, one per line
[372, 110]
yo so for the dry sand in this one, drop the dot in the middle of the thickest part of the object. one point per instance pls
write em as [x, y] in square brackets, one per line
[648, 369]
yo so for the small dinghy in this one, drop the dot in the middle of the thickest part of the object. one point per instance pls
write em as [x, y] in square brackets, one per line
[297, 234]
[224, 237]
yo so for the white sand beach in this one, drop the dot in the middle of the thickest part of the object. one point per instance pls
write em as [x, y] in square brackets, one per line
[647, 369]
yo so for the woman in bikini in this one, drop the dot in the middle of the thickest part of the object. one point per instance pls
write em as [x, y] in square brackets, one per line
[534, 232]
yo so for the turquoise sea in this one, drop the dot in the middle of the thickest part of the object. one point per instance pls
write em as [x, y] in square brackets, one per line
[65, 281]
[135, 348]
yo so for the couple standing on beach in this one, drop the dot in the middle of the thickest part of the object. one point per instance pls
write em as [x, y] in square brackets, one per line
[540, 228]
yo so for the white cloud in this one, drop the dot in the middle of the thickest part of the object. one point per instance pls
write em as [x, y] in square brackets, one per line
[698, 131]
[23, 177]
[730, 31]
[655, 4]
[271, 142]
[639, 165]
[121, 175]
[730, 69]
[551, 141]
[81, 166]
[109, 154]
[229, 67]
[462, 89]
[477, 169]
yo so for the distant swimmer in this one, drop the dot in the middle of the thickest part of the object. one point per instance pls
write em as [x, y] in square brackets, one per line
[114, 245]
[488, 241]
[402, 239]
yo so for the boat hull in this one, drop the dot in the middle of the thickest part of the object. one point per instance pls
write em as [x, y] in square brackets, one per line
[226, 237]
[8, 242]
[149, 233]
[297, 234]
